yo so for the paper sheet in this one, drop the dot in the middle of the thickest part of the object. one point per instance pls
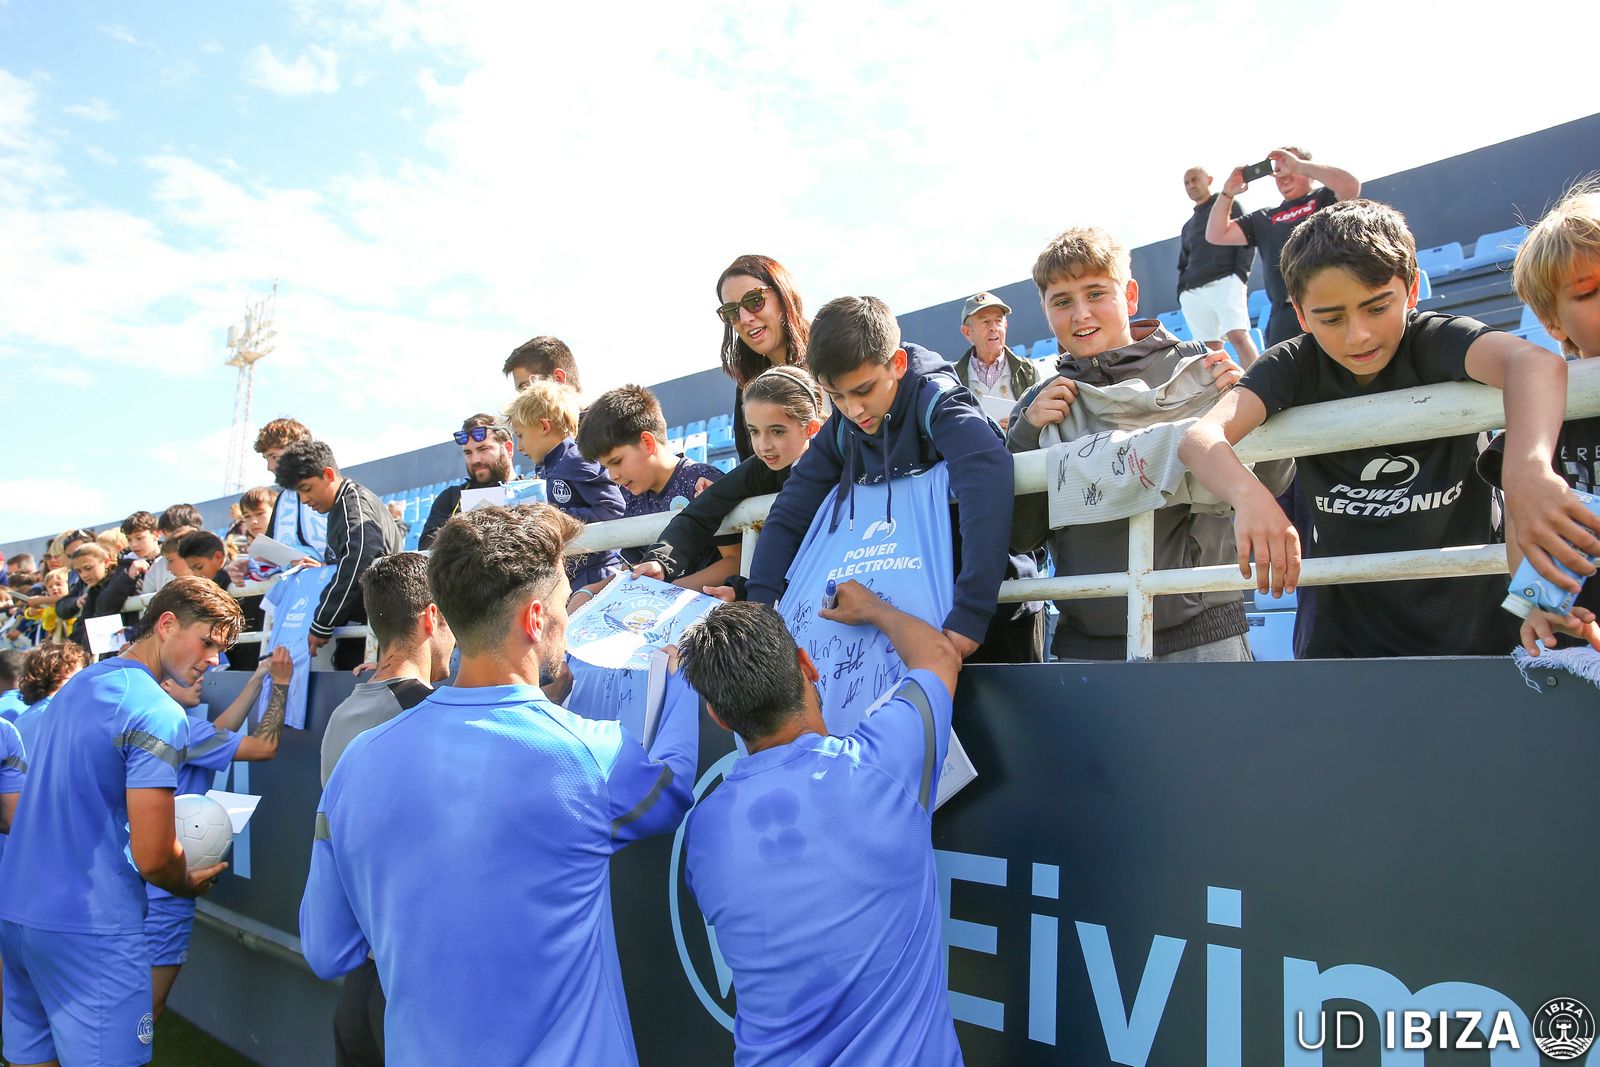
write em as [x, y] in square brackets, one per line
[473, 499]
[240, 806]
[630, 620]
[956, 774]
[997, 407]
[274, 551]
[105, 634]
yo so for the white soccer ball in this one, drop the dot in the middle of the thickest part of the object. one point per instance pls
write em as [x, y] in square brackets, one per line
[204, 829]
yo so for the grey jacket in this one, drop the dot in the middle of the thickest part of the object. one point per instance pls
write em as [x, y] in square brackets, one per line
[1097, 629]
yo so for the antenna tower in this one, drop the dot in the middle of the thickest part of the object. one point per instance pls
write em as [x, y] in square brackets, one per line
[248, 343]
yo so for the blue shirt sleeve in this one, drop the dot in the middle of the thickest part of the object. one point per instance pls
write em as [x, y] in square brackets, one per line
[13, 761]
[649, 792]
[210, 747]
[909, 736]
[153, 734]
[330, 937]
[595, 497]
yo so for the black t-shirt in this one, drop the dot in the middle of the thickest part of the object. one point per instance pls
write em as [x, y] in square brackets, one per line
[1577, 459]
[1418, 495]
[1268, 228]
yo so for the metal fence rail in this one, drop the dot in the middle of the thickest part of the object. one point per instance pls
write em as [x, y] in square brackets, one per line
[1389, 418]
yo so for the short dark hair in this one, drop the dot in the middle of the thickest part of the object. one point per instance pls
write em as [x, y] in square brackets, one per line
[741, 658]
[1366, 238]
[202, 543]
[617, 419]
[302, 460]
[543, 356]
[22, 561]
[194, 599]
[11, 661]
[486, 562]
[178, 516]
[850, 332]
[280, 433]
[48, 667]
[138, 522]
[395, 591]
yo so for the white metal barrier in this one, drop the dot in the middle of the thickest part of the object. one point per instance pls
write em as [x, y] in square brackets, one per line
[1383, 419]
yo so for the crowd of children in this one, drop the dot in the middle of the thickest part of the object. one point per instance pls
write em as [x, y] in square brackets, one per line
[831, 412]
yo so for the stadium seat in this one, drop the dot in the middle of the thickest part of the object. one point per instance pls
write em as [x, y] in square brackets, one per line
[1257, 302]
[1424, 286]
[1271, 635]
[1258, 340]
[719, 433]
[1529, 328]
[694, 445]
[1441, 260]
[726, 463]
[1176, 325]
[1498, 247]
[1044, 348]
[675, 433]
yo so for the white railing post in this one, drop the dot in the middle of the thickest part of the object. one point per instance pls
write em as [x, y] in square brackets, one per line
[747, 548]
[1141, 602]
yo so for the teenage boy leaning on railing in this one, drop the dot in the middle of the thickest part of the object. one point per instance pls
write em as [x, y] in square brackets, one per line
[1352, 275]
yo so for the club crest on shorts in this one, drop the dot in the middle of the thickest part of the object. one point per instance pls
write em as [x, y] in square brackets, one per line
[1563, 1028]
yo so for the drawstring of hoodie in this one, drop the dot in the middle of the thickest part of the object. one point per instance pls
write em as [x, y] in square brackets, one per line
[850, 458]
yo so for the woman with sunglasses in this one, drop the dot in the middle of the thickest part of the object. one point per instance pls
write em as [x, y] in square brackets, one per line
[763, 326]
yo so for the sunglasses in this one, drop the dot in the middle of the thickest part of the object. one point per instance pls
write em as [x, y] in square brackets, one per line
[753, 302]
[479, 433]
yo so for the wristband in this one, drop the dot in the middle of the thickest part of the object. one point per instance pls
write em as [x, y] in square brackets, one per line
[585, 592]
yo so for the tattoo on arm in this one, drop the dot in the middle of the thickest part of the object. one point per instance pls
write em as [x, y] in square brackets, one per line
[271, 724]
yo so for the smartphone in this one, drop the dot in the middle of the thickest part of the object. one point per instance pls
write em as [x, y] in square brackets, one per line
[1257, 170]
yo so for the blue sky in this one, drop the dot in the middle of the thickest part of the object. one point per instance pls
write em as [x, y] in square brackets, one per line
[432, 184]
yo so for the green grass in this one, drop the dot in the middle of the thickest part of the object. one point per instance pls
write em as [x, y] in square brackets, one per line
[180, 1044]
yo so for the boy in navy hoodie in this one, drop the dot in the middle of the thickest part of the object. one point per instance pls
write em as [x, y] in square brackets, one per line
[899, 409]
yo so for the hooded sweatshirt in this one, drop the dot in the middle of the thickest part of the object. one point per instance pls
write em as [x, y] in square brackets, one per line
[843, 455]
[1097, 629]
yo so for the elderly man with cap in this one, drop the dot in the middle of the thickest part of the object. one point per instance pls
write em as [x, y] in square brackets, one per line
[989, 368]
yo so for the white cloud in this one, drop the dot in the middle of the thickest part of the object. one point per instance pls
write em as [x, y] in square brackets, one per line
[593, 187]
[314, 71]
[94, 109]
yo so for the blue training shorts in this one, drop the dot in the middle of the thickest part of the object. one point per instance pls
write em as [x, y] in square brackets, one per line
[76, 998]
[167, 924]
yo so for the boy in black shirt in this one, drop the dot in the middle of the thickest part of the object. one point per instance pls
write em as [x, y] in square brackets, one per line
[1557, 274]
[1352, 274]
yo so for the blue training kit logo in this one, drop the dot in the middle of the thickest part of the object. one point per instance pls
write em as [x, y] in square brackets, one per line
[147, 1029]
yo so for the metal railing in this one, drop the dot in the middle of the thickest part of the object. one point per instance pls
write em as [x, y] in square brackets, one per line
[1388, 418]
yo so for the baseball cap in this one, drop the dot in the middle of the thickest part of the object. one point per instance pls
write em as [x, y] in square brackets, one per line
[980, 301]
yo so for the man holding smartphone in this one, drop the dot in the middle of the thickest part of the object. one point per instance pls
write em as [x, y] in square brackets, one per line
[1268, 228]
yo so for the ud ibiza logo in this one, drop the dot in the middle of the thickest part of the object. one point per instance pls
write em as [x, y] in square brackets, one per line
[709, 975]
[1563, 1029]
[560, 491]
[1391, 471]
[879, 528]
[147, 1029]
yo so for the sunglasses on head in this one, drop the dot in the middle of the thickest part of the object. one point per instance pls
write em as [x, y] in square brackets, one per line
[753, 302]
[477, 433]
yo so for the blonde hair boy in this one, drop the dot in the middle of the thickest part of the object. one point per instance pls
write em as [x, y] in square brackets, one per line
[1557, 269]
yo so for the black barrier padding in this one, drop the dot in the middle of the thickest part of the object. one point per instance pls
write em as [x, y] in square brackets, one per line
[1430, 818]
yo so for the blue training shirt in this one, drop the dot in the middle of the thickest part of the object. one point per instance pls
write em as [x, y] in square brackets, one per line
[11, 704]
[13, 766]
[210, 750]
[814, 862]
[29, 721]
[110, 728]
[481, 883]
